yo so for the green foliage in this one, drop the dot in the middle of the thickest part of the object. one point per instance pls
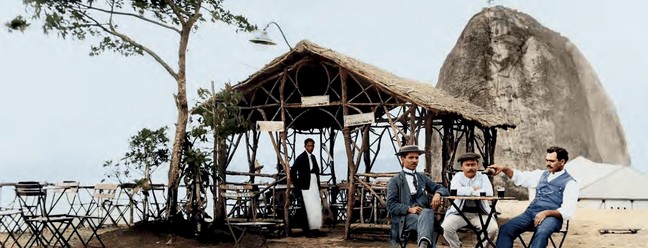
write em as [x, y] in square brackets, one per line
[148, 151]
[196, 165]
[80, 19]
[221, 111]
[17, 24]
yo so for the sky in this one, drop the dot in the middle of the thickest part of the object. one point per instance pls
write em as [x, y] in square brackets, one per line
[63, 113]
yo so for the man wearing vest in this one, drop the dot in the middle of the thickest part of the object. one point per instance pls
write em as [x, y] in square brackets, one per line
[408, 203]
[555, 200]
[469, 182]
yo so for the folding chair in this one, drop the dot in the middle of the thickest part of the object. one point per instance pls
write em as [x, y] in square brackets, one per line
[32, 199]
[10, 224]
[562, 232]
[104, 203]
[68, 190]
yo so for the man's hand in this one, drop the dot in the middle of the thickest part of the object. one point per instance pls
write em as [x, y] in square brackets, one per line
[415, 210]
[476, 188]
[436, 200]
[539, 218]
[496, 168]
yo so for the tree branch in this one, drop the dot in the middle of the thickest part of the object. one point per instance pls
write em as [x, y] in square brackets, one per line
[125, 38]
[178, 12]
[132, 15]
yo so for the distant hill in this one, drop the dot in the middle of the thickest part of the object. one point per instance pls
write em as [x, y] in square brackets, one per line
[507, 62]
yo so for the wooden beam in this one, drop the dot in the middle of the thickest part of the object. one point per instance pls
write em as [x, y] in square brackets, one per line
[428, 141]
[286, 159]
[351, 166]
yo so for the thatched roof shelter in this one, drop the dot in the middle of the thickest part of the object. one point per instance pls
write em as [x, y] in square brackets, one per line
[311, 79]
[315, 91]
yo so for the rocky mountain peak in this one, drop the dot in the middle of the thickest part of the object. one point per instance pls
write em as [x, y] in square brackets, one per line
[507, 62]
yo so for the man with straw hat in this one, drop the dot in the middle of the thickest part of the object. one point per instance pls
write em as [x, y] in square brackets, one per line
[408, 204]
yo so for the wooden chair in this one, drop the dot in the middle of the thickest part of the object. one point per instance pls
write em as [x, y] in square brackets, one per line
[241, 200]
[562, 233]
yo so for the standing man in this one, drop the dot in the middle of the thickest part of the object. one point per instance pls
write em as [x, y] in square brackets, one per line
[469, 182]
[305, 177]
[555, 199]
[407, 201]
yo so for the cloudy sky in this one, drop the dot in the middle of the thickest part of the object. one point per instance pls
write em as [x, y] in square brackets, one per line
[63, 112]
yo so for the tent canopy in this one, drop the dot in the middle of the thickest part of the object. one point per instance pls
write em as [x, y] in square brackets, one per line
[607, 181]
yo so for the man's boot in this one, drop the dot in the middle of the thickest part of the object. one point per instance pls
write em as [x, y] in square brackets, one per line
[424, 244]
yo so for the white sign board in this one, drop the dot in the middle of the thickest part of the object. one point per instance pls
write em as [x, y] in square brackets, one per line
[312, 101]
[238, 194]
[270, 126]
[359, 119]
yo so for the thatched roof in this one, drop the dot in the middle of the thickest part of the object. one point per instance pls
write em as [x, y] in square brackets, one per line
[419, 93]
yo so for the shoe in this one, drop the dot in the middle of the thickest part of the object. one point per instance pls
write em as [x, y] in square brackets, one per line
[424, 244]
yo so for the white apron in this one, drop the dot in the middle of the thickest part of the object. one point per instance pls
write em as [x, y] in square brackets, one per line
[313, 204]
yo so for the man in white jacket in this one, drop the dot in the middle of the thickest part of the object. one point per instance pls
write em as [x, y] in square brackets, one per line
[468, 182]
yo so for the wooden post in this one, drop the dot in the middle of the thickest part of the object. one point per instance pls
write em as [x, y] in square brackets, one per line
[365, 148]
[332, 153]
[413, 140]
[447, 150]
[347, 145]
[285, 149]
[470, 138]
[428, 141]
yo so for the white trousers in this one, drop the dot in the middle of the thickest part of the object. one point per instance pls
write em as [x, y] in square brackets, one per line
[453, 222]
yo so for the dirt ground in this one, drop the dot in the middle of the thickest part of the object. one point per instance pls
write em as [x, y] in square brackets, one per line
[583, 232]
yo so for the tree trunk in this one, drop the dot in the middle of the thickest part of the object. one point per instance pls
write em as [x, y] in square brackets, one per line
[181, 129]
[219, 163]
[181, 124]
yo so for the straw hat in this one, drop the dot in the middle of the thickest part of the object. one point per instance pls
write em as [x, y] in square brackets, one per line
[409, 148]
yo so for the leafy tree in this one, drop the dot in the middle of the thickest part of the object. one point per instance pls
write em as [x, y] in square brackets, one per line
[220, 112]
[79, 19]
[148, 151]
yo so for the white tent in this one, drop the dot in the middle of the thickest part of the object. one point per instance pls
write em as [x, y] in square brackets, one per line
[609, 186]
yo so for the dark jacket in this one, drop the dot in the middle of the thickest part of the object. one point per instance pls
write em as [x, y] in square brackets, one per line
[398, 199]
[300, 172]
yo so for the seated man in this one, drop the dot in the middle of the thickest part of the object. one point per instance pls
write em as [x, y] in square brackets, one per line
[555, 199]
[407, 201]
[468, 182]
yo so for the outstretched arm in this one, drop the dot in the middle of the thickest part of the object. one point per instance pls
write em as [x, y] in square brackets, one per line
[501, 168]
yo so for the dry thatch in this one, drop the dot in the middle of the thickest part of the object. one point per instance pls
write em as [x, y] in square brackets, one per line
[419, 93]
